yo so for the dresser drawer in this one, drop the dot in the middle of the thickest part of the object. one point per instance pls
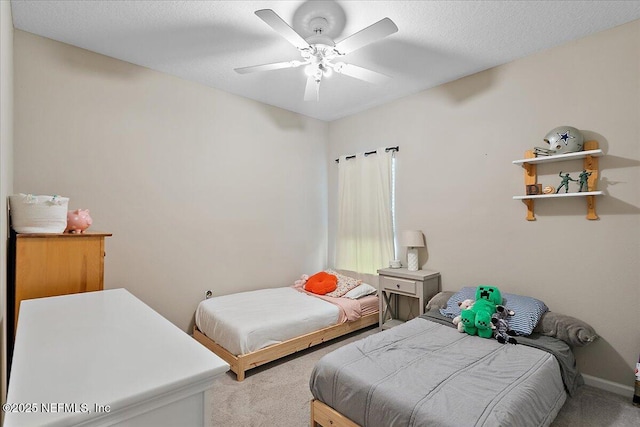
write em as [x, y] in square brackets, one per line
[398, 285]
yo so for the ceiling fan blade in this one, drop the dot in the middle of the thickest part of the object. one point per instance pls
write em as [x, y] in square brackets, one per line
[362, 73]
[373, 32]
[312, 90]
[274, 21]
[269, 67]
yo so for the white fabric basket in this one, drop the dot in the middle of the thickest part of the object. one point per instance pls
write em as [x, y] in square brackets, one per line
[38, 214]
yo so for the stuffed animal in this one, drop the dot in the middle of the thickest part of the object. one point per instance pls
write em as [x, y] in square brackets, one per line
[500, 325]
[477, 319]
[468, 303]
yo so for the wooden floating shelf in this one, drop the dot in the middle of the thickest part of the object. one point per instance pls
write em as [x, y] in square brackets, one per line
[590, 163]
[544, 196]
[560, 157]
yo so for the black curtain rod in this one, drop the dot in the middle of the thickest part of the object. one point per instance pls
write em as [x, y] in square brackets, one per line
[396, 148]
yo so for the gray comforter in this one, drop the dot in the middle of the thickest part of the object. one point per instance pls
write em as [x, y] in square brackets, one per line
[424, 373]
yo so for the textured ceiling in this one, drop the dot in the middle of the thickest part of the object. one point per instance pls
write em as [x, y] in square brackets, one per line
[203, 41]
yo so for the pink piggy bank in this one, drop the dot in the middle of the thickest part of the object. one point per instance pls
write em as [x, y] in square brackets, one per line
[78, 221]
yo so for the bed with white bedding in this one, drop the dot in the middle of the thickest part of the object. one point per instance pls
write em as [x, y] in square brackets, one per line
[425, 372]
[249, 329]
[247, 321]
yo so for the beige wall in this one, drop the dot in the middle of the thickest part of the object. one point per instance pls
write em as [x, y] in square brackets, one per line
[200, 188]
[6, 166]
[455, 181]
[206, 190]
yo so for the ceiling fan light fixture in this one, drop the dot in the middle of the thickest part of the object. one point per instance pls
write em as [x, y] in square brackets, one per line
[319, 50]
[310, 69]
[321, 40]
[318, 24]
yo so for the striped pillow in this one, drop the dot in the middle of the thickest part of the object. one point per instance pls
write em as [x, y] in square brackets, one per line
[528, 310]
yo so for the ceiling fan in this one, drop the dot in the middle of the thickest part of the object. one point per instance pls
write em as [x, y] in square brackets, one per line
[319, 51]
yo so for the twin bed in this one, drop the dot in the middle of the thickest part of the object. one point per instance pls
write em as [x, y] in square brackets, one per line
[250, 329]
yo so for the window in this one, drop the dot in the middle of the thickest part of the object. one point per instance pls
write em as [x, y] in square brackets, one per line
[365, 235]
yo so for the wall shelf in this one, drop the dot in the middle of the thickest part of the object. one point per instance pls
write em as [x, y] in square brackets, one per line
[545, 196]
[590, 164]
[561, 157]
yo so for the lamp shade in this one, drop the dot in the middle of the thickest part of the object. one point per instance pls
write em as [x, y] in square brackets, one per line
[413, 239]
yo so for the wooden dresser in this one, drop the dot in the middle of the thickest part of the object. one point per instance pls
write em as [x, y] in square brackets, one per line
[45, 265]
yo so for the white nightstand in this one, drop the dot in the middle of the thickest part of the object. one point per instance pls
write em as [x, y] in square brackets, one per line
[400, 282]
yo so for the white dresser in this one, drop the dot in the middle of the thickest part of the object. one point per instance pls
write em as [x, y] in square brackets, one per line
[105, 358]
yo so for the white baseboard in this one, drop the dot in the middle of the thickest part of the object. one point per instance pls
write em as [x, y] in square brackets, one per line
[617, 388]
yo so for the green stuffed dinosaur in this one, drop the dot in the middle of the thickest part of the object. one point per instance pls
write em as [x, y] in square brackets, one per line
[477, 319]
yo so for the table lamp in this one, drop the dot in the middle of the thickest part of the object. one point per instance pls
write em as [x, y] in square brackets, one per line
[412, 240]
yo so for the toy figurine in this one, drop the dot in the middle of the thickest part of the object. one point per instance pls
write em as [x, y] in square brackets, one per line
[584, 176]
[565, 182]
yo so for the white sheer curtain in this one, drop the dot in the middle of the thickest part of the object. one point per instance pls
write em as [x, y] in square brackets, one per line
[364, 241]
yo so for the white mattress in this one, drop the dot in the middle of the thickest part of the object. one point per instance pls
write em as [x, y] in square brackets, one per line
[249, 321]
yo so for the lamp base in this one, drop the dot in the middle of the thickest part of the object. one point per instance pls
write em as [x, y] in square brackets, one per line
[412, 259]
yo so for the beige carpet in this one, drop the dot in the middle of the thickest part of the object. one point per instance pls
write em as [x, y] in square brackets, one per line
[277, 394]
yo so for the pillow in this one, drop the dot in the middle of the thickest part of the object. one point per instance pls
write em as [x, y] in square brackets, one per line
[321, 283]
[345, 284]
[362, 290]
[439, 300]
[528, 310]
[573, 331]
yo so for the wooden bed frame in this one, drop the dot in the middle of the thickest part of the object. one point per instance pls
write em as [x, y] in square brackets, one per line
[323, 415]
[242, 363]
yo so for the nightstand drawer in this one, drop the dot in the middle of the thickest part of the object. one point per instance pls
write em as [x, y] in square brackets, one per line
[398, 285]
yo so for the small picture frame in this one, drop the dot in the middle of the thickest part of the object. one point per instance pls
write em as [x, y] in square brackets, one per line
[534, 189]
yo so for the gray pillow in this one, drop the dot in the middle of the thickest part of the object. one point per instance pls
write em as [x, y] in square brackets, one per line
[439, 300]
[573, 331]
